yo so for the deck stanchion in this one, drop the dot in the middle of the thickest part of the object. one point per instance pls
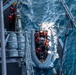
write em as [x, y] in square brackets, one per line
[3, 57]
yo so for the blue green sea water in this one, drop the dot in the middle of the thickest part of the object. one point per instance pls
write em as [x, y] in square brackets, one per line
[35, 12]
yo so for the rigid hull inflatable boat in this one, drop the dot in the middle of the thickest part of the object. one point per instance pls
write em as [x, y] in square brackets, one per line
[42, 47]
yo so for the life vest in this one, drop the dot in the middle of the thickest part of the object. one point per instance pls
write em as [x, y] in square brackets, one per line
[37, 39]
[10, 18]
[36, 34]
[38, 50]
[46, 42]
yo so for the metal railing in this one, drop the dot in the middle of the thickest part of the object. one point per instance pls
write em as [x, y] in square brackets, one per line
[3, 55]
[28, 61]
[69, 14]
[8, 3]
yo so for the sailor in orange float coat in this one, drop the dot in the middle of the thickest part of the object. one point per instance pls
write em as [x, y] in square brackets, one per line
[36, 34]
[38, 50]
[37, 39]
[45, 33]
[46, 42]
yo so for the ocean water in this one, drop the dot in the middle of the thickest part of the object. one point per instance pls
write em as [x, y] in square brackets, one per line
[35, 12]
[69, 66]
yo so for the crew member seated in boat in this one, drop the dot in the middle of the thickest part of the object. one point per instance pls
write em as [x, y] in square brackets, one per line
[45, 33]
[38, 52]
[46, 42]
[44, 51]
[43, 48]
[42, 58]
[41, 33]
[36, 34]
[37, 39]
[10, 18]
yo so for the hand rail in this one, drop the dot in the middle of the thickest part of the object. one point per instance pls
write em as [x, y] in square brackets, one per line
[69, 14]
[28, 61]
[6, 39]
[7, 1]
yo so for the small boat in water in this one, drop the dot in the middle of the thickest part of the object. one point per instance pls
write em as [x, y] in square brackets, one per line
[42, 47]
